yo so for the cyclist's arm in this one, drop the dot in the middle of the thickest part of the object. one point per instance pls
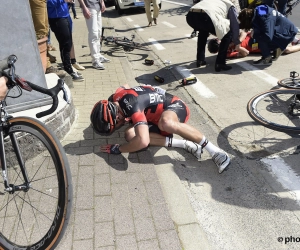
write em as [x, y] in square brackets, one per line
[3, 87]
[140, 141]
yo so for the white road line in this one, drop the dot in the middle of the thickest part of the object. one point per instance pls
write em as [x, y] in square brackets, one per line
[284, 174]
[156, 44]
[138, 27]
[199, 86]
[129, 19]
[256, 71]
[182, 4]
[189, 35]
[168, 24]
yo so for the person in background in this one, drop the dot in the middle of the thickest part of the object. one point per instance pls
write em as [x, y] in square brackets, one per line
[217, 17]
[92, 11]
[270, 29]
[58, 13]
[72, 6]
[41, 27]
[148, 11]
[155, 116]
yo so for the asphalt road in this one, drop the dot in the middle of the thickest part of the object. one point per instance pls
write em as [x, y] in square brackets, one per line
[255, 204]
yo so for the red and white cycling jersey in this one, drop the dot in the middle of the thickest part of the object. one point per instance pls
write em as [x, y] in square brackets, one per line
[144, 104]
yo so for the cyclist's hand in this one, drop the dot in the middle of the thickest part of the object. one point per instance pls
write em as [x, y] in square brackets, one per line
[111, 149]
[3, 87]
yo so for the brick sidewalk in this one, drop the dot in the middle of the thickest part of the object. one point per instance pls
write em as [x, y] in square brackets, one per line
[118, 200]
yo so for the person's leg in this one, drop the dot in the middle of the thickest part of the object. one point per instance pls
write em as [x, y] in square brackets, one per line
[225, 41]
[93, 35]
[61, 29]
[169, 123]
[73, 10]
[282, 6]
[155, 10]
[201, 44]
[291, 49]
[39, 17]
[148, 11]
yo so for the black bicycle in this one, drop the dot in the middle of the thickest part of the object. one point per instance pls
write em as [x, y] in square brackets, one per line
[37, 199]
[123, 41]
[278, 109]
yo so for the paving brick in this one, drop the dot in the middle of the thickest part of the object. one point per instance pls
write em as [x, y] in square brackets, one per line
[126, 242]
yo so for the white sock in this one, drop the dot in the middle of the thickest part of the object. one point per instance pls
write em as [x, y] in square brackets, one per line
[211, 148]
[172, 142]
[295, 40]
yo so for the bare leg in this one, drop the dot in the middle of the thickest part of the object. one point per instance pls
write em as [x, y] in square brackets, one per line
[291, 49]
[169, 123]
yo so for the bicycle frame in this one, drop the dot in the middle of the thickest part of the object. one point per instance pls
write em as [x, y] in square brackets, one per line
[10, 187]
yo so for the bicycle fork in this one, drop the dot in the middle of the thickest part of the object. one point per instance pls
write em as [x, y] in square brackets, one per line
[11, 188]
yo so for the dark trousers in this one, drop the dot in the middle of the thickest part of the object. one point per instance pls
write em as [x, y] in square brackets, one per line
[61, 28]
[202, 23]
[281, 5]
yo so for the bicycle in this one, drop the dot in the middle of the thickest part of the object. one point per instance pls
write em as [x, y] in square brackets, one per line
[36, 202]
[291, 4]
[278, 109]
[126, 43]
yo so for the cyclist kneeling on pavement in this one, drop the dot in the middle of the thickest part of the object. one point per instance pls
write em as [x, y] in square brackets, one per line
[155, 116]
[271, 30]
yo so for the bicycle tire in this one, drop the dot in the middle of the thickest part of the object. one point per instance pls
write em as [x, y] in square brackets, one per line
[49, 198]
[128, 44]
[290, 83]
[271, 109]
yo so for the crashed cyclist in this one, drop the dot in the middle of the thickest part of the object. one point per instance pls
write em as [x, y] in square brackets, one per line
[155, 116]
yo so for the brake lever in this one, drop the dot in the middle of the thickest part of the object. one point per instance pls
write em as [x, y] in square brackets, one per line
[65, 96]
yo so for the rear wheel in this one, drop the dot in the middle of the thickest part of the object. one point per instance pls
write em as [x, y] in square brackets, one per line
[277, 109]
[35, 218]
[290, 83]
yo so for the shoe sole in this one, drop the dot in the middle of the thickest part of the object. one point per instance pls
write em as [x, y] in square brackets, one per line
[226, 168]
[98, 68]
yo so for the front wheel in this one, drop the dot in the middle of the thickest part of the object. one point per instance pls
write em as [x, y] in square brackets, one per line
[277, 109]
[35, 218]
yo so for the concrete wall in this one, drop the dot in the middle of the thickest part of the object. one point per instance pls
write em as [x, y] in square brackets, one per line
[17, 36]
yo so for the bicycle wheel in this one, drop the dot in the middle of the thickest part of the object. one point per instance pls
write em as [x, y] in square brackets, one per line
[36, 218]
[128, 45]
[277, 109]
[290, 83]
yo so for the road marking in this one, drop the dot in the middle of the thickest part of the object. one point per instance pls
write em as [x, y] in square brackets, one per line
[129, 19]
[138, 27]
[199, 86]
[284, 174]
[182, 4]
[256, 71]
[156, 44]
[189, 36]
[168, 24]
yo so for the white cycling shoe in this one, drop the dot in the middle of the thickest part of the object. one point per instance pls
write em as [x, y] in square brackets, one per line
[193, 148]
[222, 160]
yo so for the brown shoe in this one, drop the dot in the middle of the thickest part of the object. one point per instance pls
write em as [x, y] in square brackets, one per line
[59, 73]
[51, 48]
[150, 24]
[51, 58]
[155, 21]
